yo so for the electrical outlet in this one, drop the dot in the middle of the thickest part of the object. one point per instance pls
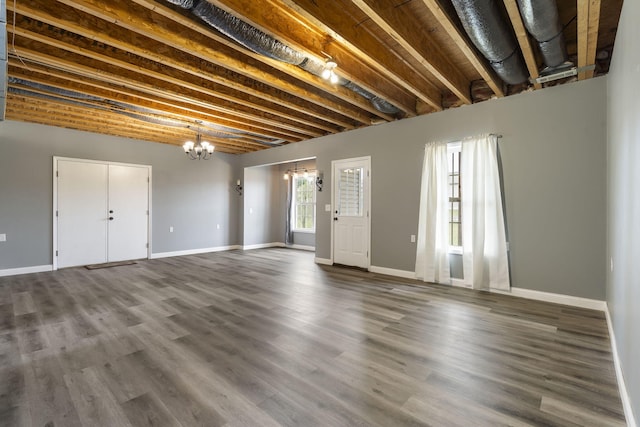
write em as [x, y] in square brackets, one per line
[413, 238]
[218, 226]
[171, 229]
[3, 237]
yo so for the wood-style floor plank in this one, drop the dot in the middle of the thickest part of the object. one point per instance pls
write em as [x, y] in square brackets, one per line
[268, 338]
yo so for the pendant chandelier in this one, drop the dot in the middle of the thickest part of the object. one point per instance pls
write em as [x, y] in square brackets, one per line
[199, 150]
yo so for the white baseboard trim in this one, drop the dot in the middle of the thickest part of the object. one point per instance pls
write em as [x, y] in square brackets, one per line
[194, 251]
[323, 261]
[393, 272]
[592, 304]
[26, 270]
[459, 283]
[263, 246]
[302, 247]
[624, 396]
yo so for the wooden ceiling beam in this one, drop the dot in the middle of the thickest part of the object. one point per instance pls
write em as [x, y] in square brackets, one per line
[317, 83]
[116, 124]
[292, 31]
[121, 94]
[480, 64]
[588, 24]
[330, 19]
[150, 73]
[148, 19]
[113, 128]
[417, 43]
[69, 19]
[523, 40]
[78, 62]
[107, 97]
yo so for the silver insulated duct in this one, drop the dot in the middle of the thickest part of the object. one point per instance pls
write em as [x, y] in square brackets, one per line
[4, 70]
[543, 23]
[263, 44]
[490, 33]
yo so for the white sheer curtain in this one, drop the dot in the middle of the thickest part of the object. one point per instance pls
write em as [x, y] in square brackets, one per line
[484, 247]
[432, 258]
[485, 261]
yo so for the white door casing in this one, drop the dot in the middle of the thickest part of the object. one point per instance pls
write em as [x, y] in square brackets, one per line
[84, 193]
[351, 212]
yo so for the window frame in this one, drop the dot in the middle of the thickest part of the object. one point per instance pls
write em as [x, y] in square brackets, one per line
[310, 178]
[452, 148]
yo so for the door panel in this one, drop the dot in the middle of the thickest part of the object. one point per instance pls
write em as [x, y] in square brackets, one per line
[82, 213]
[351, 212]
[128, 206]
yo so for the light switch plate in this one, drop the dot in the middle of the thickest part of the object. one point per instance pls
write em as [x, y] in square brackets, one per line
[3, 237]
[327, 208]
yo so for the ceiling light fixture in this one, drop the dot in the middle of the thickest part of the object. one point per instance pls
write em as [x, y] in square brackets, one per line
[329, 71]
[199, 150]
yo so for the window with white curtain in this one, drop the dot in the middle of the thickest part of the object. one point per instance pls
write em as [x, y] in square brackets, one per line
[461, 208]
[304, 203]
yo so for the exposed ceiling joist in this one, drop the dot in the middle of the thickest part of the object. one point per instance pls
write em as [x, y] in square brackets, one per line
[588, 24]
[329, 17]
[417, 43]
[462, 42]
[157, 71]
[292, 30]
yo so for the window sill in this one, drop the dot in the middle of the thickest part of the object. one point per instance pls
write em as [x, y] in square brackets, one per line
[304, 231]
[455, 250]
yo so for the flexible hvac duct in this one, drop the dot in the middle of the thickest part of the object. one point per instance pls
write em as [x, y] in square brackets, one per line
[263, 44]
[542, 21]
[246, 34]
[489, 32]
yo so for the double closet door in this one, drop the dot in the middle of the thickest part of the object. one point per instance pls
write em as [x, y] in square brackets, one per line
[101, 212]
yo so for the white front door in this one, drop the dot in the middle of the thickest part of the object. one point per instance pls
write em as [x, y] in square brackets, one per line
[101, 212]
[128, 212]
[82, 213]
[351, 222]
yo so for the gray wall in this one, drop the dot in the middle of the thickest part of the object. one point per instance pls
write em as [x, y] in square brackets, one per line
[188, 195]
[264, 212]
[554, 161]
[623, 280]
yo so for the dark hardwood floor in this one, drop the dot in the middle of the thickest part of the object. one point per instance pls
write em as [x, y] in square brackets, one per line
[267, 337]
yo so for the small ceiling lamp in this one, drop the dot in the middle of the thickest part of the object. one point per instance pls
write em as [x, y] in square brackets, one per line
[200, 150]
[329, 71]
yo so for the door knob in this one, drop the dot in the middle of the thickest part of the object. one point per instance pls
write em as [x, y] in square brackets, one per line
[110, 218]
[111, 211]
[335, 218]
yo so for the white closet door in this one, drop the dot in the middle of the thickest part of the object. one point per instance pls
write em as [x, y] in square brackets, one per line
[82, 213]
[128, 212]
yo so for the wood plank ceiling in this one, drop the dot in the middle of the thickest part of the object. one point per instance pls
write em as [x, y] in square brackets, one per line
[153, 70]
